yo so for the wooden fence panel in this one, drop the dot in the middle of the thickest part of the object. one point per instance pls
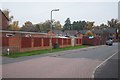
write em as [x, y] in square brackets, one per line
[54, 40]
[46, 41]
[26, 42]
[37, 42]
[77, 41]
[69, 41]
[80, 41]
[64, 41]
[60, 41]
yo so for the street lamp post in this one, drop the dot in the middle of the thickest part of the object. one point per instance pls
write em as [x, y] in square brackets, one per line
[117, 35]
[51, 27]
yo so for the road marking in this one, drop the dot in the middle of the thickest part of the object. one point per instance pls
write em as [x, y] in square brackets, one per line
[102, 64]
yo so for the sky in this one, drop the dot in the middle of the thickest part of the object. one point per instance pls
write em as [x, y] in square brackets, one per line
[39, 11]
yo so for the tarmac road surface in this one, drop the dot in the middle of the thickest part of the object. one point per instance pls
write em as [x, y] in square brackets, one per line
[78, 63]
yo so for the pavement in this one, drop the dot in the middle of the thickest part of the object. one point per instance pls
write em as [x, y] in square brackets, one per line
[6, 60]
[78, 63]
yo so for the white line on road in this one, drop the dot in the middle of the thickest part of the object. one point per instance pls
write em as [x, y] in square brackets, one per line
[102, 64]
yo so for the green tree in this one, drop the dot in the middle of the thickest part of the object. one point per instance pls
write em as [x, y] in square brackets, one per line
[75, 25]
[78, 25]
[89, 33]
[39, 27]
[28, 26]
[103, 26]
[57, 25]
[89, 25]
[47, 26]
[113, 23]
[14, 26]
[67, 25]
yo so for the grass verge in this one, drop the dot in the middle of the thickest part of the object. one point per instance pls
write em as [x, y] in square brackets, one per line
[37, 52]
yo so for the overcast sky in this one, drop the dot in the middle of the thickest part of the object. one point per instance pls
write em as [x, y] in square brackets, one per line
[37, 12]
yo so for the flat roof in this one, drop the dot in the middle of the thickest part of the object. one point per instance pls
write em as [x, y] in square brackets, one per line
[22, 32]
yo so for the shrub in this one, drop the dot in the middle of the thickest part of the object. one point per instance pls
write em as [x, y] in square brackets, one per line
[56, 45]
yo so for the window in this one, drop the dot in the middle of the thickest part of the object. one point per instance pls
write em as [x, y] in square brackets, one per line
[10, 35]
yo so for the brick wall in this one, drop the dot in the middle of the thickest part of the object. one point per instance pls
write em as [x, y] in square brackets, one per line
[94, 41]
[22, 44]
[5, 41]
[13, 43]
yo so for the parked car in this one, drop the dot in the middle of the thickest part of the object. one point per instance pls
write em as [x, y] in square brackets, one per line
[109, 42]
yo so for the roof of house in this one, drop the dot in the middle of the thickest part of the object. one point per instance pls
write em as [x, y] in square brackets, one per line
[57, 32]
[111, 30]
[22, 32]
[108, 30]
[4, 15]
[97, 31]
[70, 32]
[83, 31]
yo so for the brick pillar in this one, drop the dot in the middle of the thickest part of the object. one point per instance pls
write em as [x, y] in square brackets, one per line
[81, 40]
[19, 43]
[42, 42]
[62, 41]
[32, 42]
[57, 40]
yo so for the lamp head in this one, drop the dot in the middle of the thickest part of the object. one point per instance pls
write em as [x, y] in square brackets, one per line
[55, 10]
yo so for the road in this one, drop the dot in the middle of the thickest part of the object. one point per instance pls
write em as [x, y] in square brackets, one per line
[109, 69]
[78, 63]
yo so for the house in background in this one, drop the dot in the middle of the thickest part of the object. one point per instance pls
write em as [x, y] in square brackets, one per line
[71, 33]
[50, 33]
[112, 33]
[66, 33]
[98, 32]
[82, 32]
[106, 33]
[58, 32]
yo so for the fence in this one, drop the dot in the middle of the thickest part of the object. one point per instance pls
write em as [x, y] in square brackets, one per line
[93, 41]
[78, 41]
[22, 44]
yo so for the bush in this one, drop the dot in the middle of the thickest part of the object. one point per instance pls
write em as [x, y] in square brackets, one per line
[56, 45]
[89, 33]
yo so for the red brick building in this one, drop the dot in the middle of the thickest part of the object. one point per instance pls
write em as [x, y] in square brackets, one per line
[4, 21]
